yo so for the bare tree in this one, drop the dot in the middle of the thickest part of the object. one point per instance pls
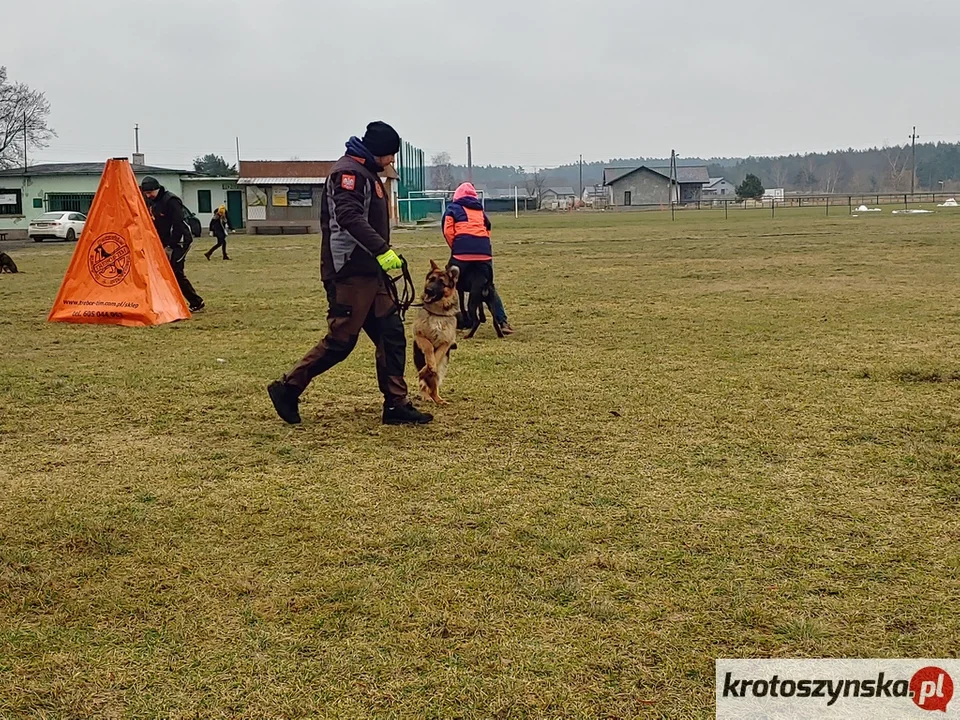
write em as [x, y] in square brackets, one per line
[898, 171]
[832, 175]
[811, 169]
[779, 174]
[860, 183]
[23, 114]
[535, 184]
[441, 172]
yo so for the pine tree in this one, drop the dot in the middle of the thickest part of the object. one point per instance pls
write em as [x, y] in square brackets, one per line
[750, 188]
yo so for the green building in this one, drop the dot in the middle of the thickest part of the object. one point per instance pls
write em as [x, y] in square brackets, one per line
[25, 194]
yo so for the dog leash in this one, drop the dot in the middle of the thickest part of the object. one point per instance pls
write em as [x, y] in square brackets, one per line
[405, 297]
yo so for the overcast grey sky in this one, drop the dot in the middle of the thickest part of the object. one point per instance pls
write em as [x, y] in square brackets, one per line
[534, 83]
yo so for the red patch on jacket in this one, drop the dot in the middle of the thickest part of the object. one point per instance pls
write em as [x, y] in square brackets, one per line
[379, 190]
[348, 182]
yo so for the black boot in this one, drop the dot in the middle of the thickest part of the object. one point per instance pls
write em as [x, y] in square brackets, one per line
[405, 415]
[285, 402]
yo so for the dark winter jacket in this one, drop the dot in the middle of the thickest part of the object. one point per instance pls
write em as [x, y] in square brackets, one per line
[218, 226]
[169, 219]
[466, 229]
[354, 216]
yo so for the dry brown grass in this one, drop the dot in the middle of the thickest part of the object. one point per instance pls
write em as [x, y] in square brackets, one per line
[707, 439]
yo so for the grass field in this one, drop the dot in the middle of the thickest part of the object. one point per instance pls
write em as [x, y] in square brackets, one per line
[708, 439]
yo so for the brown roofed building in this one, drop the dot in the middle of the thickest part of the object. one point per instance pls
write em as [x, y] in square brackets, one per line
[283, 196]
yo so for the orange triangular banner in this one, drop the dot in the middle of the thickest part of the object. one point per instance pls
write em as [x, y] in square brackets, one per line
[119, 274]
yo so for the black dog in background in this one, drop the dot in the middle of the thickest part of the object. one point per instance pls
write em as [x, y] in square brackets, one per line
[476, 278]
[7, 264]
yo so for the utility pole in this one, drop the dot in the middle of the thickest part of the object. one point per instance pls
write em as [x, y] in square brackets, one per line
[913, 171]
[238, 153]
[136, 135]
[469, 161]
[581, 177]
[24, 142]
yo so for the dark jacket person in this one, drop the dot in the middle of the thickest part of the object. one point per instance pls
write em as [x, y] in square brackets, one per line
[168, 217]
[219, 225]
[355, 255]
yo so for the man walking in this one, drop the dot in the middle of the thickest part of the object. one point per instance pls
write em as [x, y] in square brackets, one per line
[171, 224]
[355, 255]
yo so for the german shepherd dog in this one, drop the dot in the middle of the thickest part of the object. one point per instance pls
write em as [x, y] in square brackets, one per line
[477, 279]
[7, 264]
[435, 330]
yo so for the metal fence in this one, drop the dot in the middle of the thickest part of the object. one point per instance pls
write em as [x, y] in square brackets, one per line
[426, 205]
[412, 169]
[829, 203]
[509, 205]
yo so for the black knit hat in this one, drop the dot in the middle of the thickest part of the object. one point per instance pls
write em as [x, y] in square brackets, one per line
[149, 183]
[381, 139]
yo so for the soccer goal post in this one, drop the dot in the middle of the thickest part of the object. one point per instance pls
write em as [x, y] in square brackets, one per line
[415, 209]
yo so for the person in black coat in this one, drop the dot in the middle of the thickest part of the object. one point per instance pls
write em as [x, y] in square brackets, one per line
[219, 226]
[355, 257]
[171, 223]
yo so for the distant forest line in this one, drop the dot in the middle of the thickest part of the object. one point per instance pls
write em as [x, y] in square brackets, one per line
[842, 171]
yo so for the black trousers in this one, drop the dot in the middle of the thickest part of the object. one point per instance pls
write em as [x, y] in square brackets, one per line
[358, 303]
[221, 243]
[186, 287]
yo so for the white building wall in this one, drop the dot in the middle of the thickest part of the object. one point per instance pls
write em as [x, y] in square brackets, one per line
[218, 188]
[39, 187]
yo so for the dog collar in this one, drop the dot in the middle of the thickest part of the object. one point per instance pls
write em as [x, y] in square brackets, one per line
[435, 314]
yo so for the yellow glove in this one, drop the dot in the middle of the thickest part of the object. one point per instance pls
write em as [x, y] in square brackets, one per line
[390, 261]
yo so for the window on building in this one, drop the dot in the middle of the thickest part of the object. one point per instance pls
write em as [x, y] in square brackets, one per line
[204, 203]
[69, 202]
[300, 196]
[11, 202]
[627, 198]
[723, 191]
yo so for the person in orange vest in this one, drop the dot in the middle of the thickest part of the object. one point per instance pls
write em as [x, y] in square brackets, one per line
[466, 229]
